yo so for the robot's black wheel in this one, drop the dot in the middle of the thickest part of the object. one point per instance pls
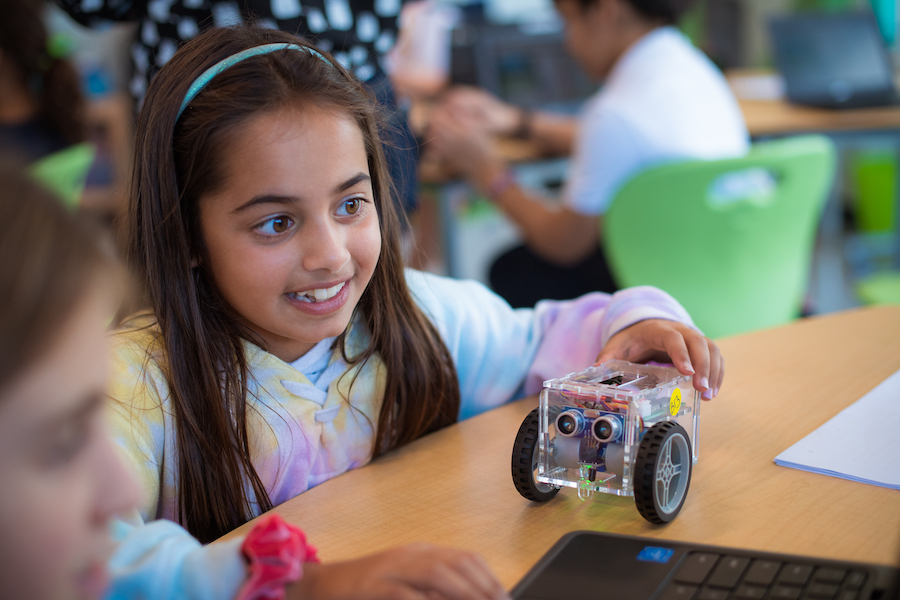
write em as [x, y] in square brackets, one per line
[524, 462]
[662, 472]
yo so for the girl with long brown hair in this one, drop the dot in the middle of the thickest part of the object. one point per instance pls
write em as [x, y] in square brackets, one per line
[64, 483]
[286, 343]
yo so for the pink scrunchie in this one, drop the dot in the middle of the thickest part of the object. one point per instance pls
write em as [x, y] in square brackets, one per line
[275, 551]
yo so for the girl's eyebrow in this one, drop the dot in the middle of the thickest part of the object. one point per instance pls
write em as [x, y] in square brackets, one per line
[264, 199]
[358, 178]
[272, 199]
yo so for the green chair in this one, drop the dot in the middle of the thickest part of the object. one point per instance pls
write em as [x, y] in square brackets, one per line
[729, 239]
[65, 172]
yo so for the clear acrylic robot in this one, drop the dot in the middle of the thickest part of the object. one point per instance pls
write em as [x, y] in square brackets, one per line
[618, 428]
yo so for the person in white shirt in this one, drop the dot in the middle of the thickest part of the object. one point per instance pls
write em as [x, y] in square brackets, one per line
[662, 99]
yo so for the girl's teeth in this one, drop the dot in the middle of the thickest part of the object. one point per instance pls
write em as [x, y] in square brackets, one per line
[319, 295]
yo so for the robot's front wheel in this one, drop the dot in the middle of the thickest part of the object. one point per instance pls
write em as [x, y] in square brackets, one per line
[662, 472]
[525, 462]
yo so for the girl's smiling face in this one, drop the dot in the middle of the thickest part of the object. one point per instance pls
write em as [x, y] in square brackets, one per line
[292, 235]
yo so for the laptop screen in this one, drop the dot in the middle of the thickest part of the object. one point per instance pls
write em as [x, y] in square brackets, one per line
[528, 67]
[833, 60]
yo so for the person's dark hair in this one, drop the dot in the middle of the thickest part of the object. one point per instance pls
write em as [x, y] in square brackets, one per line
[53, 81]
[48, 263]
[177, 163]
[668, 12]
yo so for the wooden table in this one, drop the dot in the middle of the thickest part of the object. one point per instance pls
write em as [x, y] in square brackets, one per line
[769, 114]
[764, 117]
[454, 487]
[779, 117]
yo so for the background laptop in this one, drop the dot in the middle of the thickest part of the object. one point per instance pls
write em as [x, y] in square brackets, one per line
[834, 60]
[526, 66]
[590, 564]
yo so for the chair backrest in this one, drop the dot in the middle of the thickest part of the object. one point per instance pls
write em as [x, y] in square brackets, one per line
[730, 239]
[65, 171]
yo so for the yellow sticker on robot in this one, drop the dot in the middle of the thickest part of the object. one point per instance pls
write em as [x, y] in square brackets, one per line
[675, 402]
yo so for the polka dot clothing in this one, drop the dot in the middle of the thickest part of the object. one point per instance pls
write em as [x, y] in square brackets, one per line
[358, 32]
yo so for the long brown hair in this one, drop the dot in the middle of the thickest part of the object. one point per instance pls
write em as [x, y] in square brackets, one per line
[52, 80]
[178, 162]
[48, 262]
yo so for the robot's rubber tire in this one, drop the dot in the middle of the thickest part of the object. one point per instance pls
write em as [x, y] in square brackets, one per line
[524, 462]
[662, 472]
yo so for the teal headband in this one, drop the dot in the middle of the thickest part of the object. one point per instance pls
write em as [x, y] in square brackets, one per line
[207, 75]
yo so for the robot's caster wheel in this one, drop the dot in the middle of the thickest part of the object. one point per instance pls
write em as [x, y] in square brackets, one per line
[525, 462]
[662, 472]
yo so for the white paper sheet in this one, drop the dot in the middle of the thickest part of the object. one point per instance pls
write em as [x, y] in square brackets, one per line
[860, 443]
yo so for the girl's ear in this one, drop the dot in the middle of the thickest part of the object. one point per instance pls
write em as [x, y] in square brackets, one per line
[195, 262]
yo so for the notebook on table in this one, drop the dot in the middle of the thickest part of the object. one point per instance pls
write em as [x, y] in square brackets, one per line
[587, 564]
[833, 60]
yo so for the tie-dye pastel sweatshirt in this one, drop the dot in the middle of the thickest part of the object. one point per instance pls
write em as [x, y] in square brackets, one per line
[309, 427]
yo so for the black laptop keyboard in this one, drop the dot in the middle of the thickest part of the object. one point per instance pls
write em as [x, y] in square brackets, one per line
[711, 576]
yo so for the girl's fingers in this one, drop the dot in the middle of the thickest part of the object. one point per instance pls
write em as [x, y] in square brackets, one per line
[446, 579]
[608, 352]
[413, 572]
[688, 350]
[672, 342]
[449, 583]
[448, 574]
[714, 372]
[404, 592]
[699, 352]
[477, 571]
[635, 344]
